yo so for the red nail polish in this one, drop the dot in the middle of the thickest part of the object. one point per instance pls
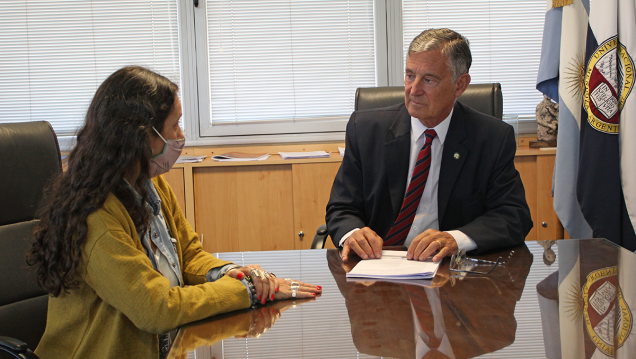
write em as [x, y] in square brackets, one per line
[319, 287]
[239, 276]
[314, 294]
[264, 300]
[259, 297]
[272, 297]
[277, 289]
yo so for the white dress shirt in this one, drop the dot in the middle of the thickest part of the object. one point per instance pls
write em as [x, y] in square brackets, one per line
[421, 337]
[426, 215]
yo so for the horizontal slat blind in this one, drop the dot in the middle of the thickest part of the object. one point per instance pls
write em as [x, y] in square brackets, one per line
[54, 54]
[505, 41]
[300, 341]
[286, 61]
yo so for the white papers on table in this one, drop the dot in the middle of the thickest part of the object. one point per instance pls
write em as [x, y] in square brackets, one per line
[427, 283]
[190, 159]
[240, 156]
[341, 150]
[312, 154]
[394, 265]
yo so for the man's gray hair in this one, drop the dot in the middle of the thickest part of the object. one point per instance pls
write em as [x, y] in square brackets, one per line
[450, 43]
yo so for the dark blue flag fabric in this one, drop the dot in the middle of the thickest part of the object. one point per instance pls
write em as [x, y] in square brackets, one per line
[608, 80]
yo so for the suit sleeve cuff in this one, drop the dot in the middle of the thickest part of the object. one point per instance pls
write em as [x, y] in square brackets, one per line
[463, 241]
[347, 235]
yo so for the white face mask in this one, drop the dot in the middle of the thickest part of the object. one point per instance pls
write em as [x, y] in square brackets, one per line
[164, 161]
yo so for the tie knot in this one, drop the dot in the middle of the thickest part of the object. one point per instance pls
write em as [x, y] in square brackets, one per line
[430, 135]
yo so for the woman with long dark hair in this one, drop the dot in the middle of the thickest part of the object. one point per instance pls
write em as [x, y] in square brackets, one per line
[114, 250]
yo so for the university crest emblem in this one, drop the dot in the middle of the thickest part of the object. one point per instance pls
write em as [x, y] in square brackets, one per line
[609, 79]
[608, 319]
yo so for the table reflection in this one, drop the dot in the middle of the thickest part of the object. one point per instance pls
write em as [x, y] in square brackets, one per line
[563, 299]
[435, 319]
[242, 324]
[587, 306]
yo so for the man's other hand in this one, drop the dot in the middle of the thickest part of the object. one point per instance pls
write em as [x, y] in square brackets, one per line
[429, 241]
[364, 242]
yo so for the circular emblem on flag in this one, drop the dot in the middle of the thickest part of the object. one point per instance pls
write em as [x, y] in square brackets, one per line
[608, 319]
[609, 80]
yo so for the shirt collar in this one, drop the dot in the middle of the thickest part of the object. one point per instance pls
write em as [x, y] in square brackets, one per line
[153, 201]
[417, 128]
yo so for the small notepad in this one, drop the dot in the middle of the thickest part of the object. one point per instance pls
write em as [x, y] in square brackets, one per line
[240, 156]
[190, 159]
[296, 155]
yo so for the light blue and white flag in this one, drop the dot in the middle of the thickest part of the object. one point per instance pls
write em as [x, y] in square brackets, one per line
[560, 78]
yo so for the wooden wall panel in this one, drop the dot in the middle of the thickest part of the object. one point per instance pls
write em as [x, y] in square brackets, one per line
[527, 167]
[246, 208]
[176, 181]
[545, 208]
[312, 186]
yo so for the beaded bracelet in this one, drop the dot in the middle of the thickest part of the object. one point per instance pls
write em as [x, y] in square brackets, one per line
[250, 283]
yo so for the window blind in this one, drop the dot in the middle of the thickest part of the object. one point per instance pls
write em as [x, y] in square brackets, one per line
[285, 264]
[54, 54]
[505, 41]
[284, 62]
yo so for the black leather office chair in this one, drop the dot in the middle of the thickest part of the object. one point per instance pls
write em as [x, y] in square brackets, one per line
[485, 98]
[320, 238]
[29, 158]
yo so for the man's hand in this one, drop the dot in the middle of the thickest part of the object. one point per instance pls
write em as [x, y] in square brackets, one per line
[364, 242]
[427, 242]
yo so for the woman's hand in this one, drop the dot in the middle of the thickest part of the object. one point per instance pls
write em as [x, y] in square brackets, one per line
[291, 288]
[264, 283]
[269, 287]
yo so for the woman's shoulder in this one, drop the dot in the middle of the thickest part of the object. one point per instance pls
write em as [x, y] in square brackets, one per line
[111, 216]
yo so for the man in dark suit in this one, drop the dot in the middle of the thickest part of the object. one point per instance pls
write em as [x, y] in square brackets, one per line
[431, 174]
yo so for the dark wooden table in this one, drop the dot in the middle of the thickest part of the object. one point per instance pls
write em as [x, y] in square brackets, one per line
[513, 312]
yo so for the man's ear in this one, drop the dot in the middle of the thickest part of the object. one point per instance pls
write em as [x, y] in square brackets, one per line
[462, 83]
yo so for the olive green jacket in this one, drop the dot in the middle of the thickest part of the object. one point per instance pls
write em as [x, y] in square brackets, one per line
[122, 303]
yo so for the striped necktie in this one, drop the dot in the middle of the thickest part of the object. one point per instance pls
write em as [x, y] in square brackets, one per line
[400, 229]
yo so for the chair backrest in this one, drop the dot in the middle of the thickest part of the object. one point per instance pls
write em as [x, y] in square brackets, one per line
[484, 98]
[29, 158]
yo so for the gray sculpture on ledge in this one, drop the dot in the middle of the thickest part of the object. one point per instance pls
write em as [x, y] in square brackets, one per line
[547, 123]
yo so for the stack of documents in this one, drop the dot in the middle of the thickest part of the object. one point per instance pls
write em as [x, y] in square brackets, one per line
[240, 156]
[295, 155]
[394, 265]
[190, 159]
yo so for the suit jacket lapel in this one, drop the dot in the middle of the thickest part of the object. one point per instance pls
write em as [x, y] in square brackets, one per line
[397, 150]
[453, 157]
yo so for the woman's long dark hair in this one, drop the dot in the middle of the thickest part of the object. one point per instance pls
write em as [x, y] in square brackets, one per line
[112, 144]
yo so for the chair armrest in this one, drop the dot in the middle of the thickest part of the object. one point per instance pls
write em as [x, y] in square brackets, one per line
[16, 348]
[320, 238]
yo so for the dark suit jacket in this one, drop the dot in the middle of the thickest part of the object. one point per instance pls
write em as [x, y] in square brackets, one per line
[480, 192]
